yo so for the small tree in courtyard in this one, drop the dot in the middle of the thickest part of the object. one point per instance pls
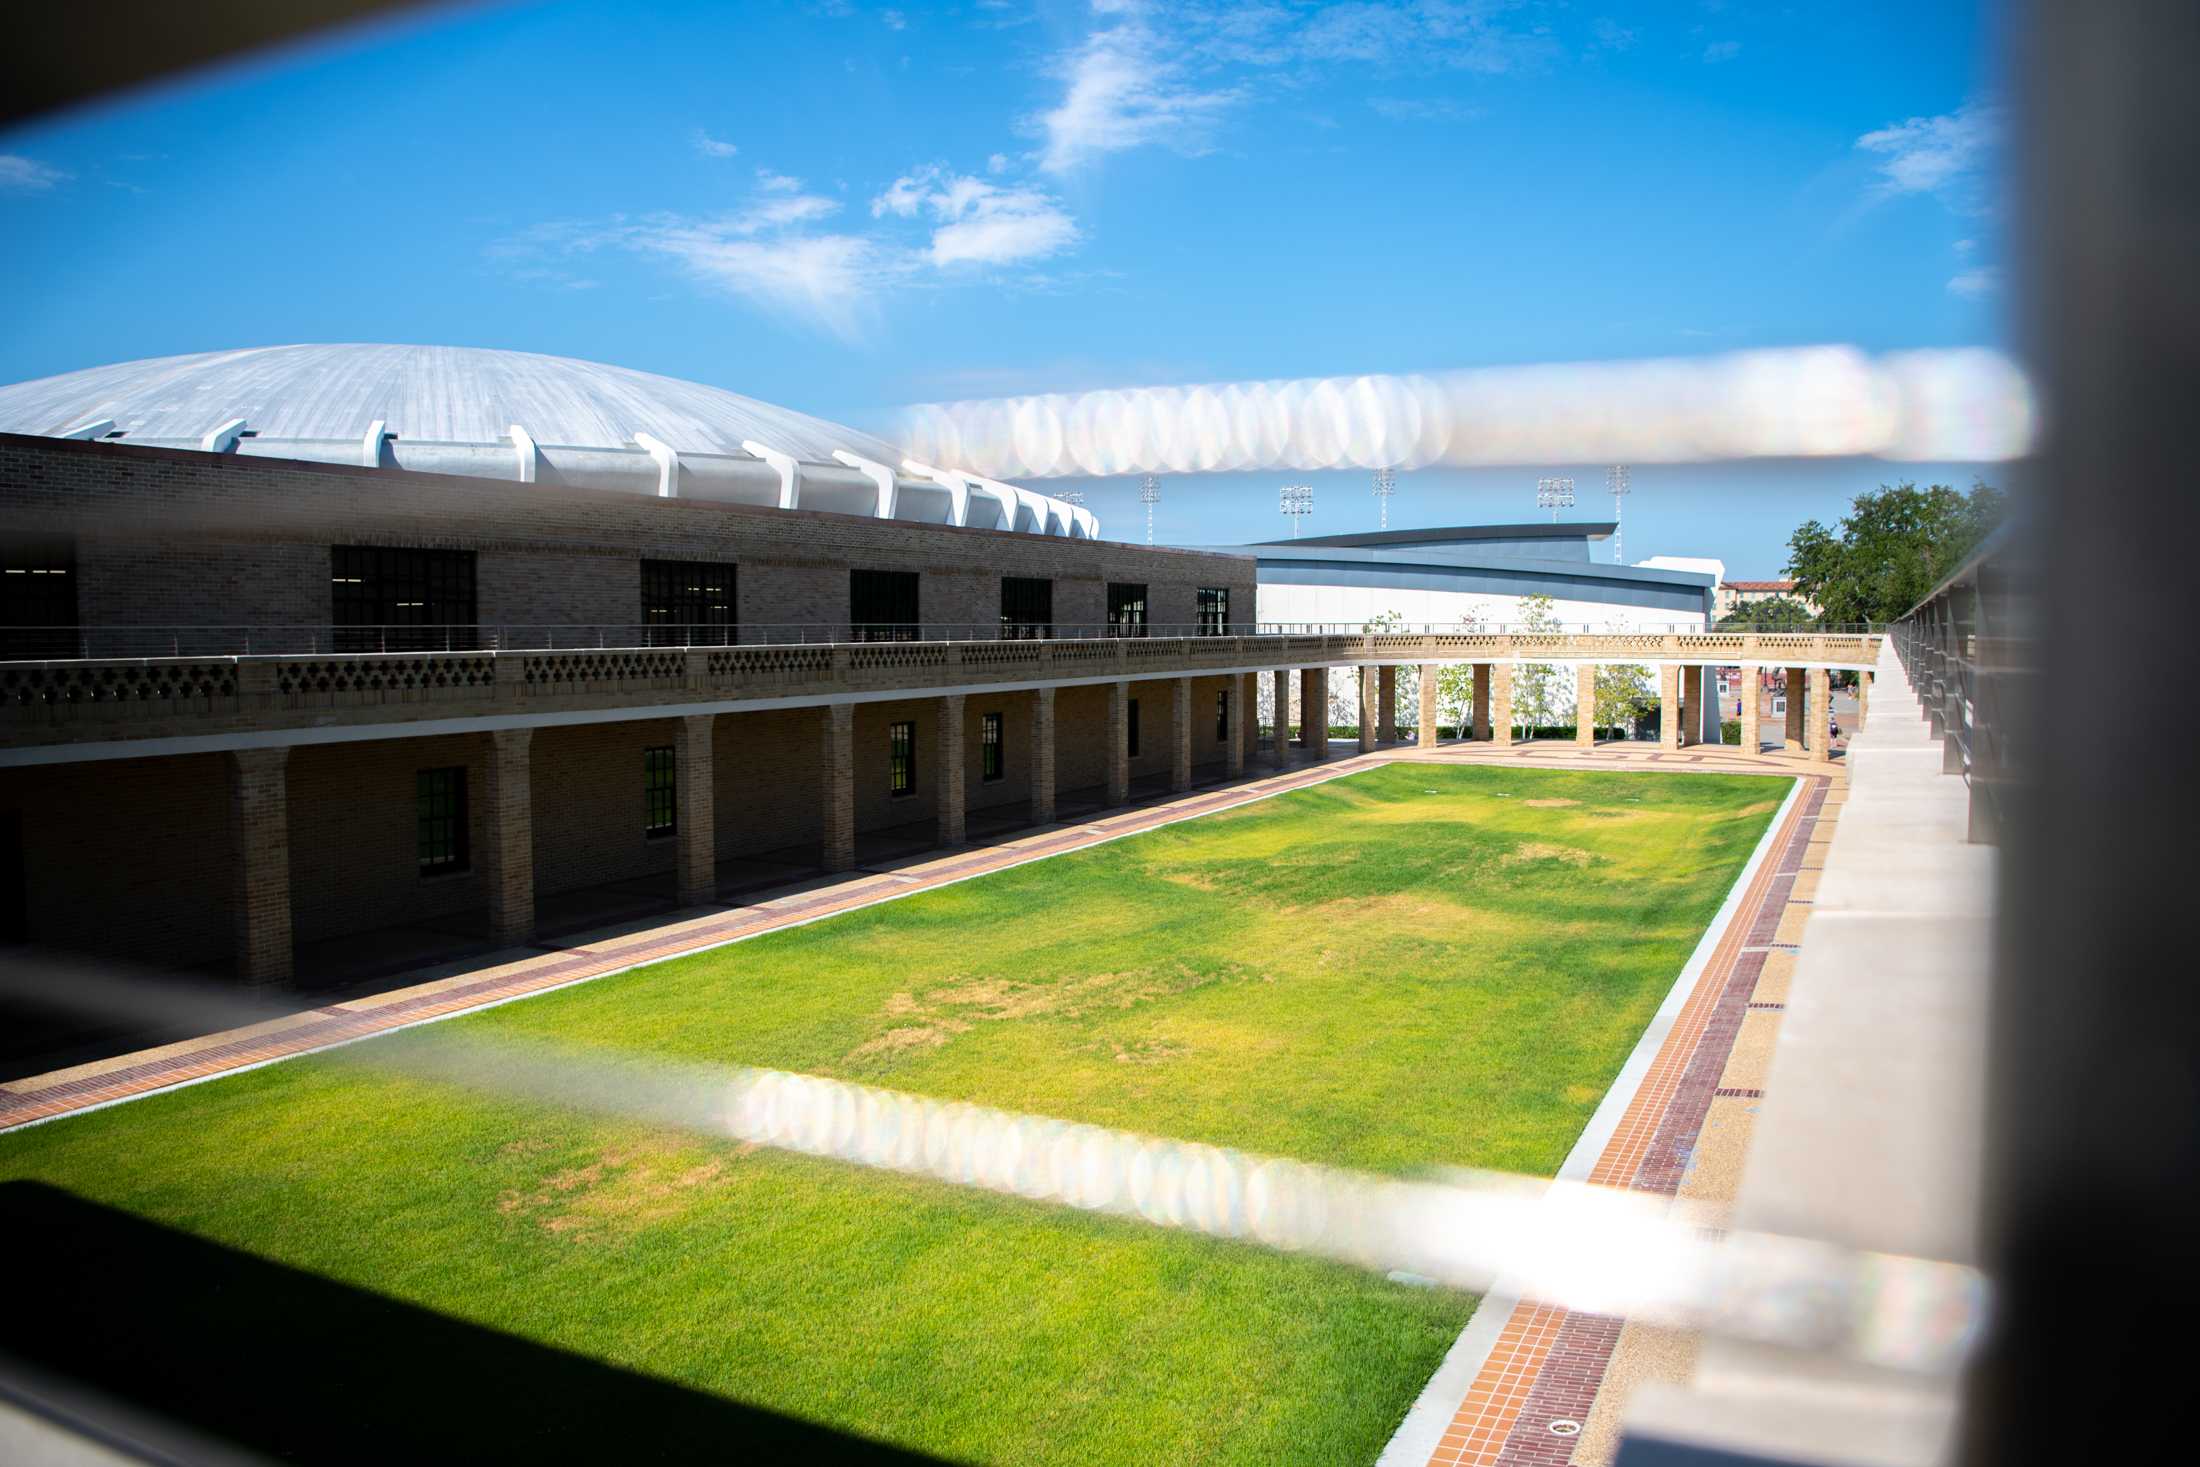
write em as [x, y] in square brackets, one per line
[1455, 685]
[1537, 685]
[1624, 694]
[1408, 674]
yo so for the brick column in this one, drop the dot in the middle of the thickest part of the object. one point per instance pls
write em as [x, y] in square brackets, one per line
[1585, 705]
[1042, 756]
[1314, 712]
[695, 817]
[1495, 717]
[1482, 676]
[1684, 699]
[1280, 755]
[1751, 682]
[1795, 724]
[948, 717]
[1119, 743]
[1821, 715]
[1180, 734]
[1386, 701]
[1370, 699]
[508, 828]
[1669, 706]
[1248, 716]
[1863, 699]
[1425, 736]
[1234, 718]
[259, 886]
[837, 774]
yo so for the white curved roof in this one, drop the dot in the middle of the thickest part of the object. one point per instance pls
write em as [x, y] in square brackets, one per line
[448, 394]
[514, 415]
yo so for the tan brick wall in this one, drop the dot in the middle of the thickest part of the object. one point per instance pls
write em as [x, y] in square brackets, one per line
[168, 537]
[770, 793]
[589, 806]
[128, 858]
[355, 839]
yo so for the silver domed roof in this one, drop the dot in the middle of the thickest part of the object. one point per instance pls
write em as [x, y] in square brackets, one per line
[512, 414]
[447, 394]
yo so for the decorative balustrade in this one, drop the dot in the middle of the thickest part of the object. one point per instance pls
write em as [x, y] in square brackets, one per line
[78, 700]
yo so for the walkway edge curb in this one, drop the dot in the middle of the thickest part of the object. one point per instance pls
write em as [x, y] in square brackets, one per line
[1431, 1414]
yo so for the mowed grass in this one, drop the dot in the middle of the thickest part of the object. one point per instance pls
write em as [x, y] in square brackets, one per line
[1412, 967]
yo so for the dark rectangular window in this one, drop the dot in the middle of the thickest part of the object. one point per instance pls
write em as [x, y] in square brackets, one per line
[660, 792]
[1134, 728]
[1126, 609]
[38, 599]
[385, 598]
[901, 758]
[1222, 716]
[882, 605]
[440, 797]
[1214, 610]
[1027, 607]
[688, 603]
[990, 763]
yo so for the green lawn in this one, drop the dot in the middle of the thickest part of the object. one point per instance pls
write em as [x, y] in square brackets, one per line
[1413, 966]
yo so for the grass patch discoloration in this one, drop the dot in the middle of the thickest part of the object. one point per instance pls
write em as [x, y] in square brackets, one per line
[1411, 967]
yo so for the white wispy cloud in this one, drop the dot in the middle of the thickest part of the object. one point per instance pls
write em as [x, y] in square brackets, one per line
[1985, 280]
[1167, 75]
[1121, 91]
[976, 222]
[711, 147]
[27, 175]
[1719, 51]
[1423, 109]
[785, 249]
[895, 20]
[1607, 34]
[1945, 155]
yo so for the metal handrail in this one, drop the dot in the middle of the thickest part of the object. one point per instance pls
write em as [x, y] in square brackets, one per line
[61, 643]
[1955, 645]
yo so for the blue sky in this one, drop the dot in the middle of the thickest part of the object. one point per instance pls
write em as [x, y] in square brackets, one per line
[846, 207]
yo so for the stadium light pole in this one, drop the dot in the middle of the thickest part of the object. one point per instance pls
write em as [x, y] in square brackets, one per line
[1554, 495]
[1386, 484]
[1149, 494]
[1615, 479]
[1298, 502]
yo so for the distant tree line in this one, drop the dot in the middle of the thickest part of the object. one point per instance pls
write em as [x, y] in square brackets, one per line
[1888, 551]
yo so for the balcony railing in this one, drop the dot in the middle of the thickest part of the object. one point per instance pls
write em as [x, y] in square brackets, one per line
[1959, 646]
[64, 643]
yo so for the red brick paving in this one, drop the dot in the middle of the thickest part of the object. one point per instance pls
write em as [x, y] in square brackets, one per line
[1549, 1364]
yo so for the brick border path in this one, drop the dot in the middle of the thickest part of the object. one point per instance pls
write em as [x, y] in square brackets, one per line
[1548, 1364]
[124, 1077]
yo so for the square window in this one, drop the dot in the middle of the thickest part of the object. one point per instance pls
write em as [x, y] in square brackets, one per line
[660, 791]
[1027, 607]
[990, 761]
[882, 606]
[688, 603]
[440, 803]
[389, 598]
[1214, 611]
[1126, 609]
[901, 759]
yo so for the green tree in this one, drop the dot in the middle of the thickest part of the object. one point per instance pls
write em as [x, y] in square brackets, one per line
[1892, 548]
[1455, 686]
[1624, 694]
[1775, 614]
[1408, 711]
[1537, 686]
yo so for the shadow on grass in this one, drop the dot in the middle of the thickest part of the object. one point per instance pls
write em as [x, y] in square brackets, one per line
[284, 1364]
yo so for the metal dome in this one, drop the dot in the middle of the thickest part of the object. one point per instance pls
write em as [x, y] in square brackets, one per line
[514, 415]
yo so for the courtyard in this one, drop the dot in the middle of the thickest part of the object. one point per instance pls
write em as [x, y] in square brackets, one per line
[1411, 967]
